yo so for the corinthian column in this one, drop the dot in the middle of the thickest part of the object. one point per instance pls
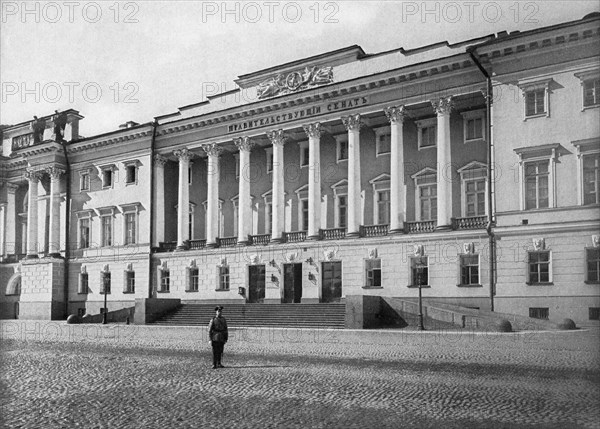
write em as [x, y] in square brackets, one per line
[278, 140]
[2, 230]
[159, 199]
[244, 144]
[212, 211]
[443, 108]
[33, 178]
[183, 199]
[396, 116]
[54, 236]
[313, 131]
[353, 124]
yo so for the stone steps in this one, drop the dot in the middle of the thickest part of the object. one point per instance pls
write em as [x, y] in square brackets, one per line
[325, 316]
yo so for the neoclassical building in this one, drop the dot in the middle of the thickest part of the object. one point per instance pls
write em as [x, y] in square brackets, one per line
[469, 169]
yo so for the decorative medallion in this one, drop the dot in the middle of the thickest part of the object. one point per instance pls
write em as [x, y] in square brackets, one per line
[295, 81]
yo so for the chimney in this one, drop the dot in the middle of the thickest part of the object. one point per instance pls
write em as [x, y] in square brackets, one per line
[128, 124]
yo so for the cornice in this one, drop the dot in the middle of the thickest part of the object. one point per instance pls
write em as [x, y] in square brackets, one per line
[94, 144]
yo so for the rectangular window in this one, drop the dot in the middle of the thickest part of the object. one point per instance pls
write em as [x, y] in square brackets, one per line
[535, 103]
[537, 179]
[342, 211]
[419, 267]
[428, 202]
[83, 283]
[383, 207]
[304, 220]
[591, 179]
[224, 278]
[130, 228]
[194, 281]
[131, 174]
[475, 197]
[469, 269]
[474, 129]
[84, 233]
[428, 136]
[107, 178]
[342, 149]
[269, 162]
[383, 144]
[165, 281]
[539, 267]
[105, 283]
[84, 182]
[591, 88]
[594, 313]
[373, 272]
[304, 153]
[129, 282]
[106, 230]
[538, 312]
[592, 261]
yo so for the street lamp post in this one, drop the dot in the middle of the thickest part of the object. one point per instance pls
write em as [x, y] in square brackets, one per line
[420, 269]
[106, 282]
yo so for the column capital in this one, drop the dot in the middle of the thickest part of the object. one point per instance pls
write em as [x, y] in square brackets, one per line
[443, 106]
[33, 175]
[212, 149]
[11, 187]
[396, 113]
[244, 143]
[277, 137]
[352, 122]
[160, 160]
[54, 171]
[183, 154]
[313, 130]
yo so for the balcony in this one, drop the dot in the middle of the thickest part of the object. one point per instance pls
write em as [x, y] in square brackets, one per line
[474, 222]
[168, 246]
[259, 239]
[419, 227]
[332, 233]
[197, 244]
[11, 259]
[294, 237]
[227, 241]
[374, 230]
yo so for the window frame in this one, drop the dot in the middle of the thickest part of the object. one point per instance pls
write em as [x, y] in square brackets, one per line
[429, 176]
[424, 124]
[302, 195]
[129, 281]
[535, 86]
[411, 273]
[340, 190]
[370, 273]
[381, 183]
[193, 272]
[83, 287]
[105, 169]
[164, 279]
[379, 133]
[470, 116]
[529, 281]
[546, 152]
[104, 275]
[341, 141]
[85, 178]
[128, 166]
[269, 160]
[586, 265]
[472, 172]
[81, 216]
[223, 278]
[461, 266]
[304, 154]
[585, 148]
[584, 77]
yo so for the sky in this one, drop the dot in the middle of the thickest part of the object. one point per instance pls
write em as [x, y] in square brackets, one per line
[135, 60]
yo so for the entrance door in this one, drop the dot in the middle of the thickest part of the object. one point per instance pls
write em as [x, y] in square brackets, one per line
[292, 283]
[256, 287]
[332, 282]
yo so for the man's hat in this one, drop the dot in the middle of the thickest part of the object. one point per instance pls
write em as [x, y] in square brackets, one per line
[218, 307]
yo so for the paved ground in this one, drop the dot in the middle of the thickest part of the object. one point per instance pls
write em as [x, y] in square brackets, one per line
[56, 376]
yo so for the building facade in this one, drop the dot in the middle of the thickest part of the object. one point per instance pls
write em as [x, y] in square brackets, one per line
[469, 169]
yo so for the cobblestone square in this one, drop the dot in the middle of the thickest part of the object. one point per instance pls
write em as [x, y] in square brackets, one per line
[62, 376]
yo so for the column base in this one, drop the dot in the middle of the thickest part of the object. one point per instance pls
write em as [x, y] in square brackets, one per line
[32, 257]
[353, 234]
[396, 231]
[313, 237]
[212, 245]
[443, 228]
[276, 240]
[181, 248]
[243, 243]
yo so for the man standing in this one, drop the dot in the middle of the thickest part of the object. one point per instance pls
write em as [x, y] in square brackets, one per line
[218, 335]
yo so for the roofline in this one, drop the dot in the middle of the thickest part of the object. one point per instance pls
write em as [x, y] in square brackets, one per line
[85, 139]
[20, 124]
